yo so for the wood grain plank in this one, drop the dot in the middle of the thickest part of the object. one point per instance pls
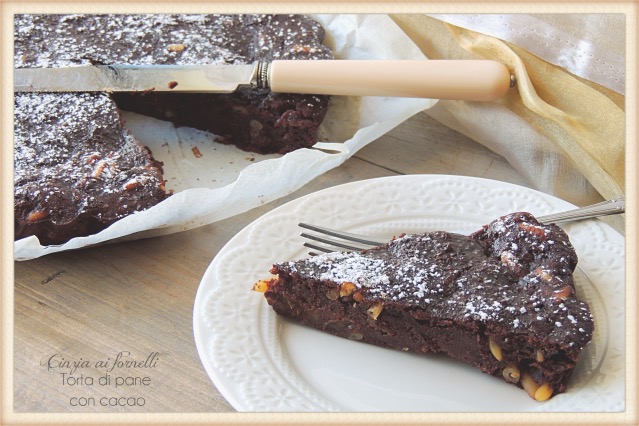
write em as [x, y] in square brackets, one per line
[421, 145]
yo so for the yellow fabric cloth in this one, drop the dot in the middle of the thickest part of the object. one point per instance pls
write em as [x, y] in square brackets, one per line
[565, 133]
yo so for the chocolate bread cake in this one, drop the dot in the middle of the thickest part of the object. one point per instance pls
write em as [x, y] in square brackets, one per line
[77, 169]
[502, 299]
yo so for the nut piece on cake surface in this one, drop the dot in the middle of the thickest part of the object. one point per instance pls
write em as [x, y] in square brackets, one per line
[375, 310]
[346, 289]
[176, 47]
[544, 392]
[262, 285]
[495, 349]
[511, 374]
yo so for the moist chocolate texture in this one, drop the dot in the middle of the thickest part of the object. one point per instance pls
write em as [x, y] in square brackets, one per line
[76, 177]
[502, 299]
[77, 168]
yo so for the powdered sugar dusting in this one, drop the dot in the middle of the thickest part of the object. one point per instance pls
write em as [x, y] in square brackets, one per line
[44, 41]
[73, 157]
[344, 267]
[471, 279]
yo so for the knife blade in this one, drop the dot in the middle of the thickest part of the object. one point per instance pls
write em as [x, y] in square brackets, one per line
[134, 78]
[475, 80]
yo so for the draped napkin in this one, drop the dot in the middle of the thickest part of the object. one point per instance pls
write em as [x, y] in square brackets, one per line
[564, 125]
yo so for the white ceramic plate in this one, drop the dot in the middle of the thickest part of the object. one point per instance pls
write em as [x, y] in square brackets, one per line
[260, 362]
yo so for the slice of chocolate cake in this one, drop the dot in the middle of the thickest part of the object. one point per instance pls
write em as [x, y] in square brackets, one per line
[502, 299]
[77, 169]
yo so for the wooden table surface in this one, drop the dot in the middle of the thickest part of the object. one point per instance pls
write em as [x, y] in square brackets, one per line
[135, 299]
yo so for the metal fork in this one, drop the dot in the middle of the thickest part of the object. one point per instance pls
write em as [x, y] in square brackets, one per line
[333, 240]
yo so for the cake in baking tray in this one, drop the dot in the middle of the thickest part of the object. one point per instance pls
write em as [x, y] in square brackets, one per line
[78, 169]
[502, 299]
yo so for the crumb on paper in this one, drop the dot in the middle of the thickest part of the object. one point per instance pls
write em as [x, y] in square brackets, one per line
[172, 84]
[196, 152]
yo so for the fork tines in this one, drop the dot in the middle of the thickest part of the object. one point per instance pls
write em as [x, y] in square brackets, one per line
[331, 240]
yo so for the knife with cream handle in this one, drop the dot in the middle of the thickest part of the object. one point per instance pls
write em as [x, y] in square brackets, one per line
[473, 80]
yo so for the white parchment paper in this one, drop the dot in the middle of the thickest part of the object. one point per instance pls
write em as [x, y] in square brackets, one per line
[213, 181]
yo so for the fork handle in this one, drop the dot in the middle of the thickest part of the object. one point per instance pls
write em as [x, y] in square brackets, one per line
[473, 80]
[604, 208]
